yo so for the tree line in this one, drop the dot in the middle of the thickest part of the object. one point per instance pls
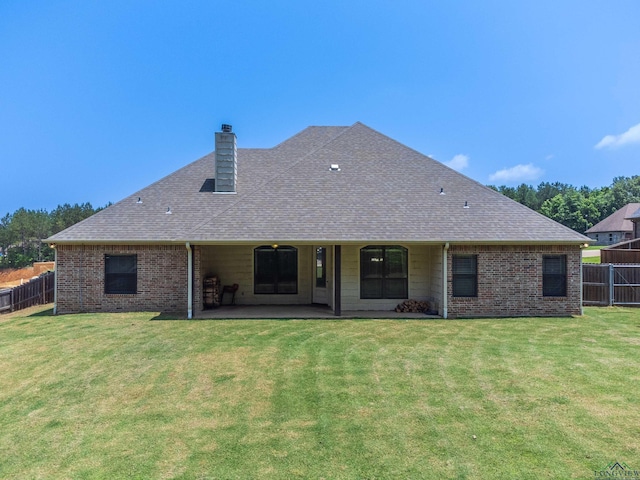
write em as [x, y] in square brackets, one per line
[22, 232]
[578, 208]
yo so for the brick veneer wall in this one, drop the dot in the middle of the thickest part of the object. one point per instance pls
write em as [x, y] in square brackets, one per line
[162, 279]
[510, 282]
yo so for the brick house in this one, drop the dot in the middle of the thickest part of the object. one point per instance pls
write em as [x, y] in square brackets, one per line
[617, 227]
[628, 251]
[338, 216]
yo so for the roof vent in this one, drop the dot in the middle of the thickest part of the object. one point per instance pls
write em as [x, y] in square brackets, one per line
[334, 167]
[466, 205]
[226, 128]
[442, 191]
[139, 200]
[168, 212]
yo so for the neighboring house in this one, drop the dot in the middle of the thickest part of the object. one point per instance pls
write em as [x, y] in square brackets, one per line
[616, 228]
[635, 219]
[340, 216]
[626, 252]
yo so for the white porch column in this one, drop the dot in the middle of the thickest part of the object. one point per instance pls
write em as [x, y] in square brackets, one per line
[445, 293]
[189, 282]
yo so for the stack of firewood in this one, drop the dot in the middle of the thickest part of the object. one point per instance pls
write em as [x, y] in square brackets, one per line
[413, 306]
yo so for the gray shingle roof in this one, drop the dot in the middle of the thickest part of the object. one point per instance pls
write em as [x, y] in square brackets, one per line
[635, 215]
[384, 192]
[617, 221]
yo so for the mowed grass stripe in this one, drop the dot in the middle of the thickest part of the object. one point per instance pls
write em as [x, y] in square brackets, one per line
[129, 396]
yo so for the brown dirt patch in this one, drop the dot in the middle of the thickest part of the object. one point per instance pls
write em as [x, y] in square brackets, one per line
[12, 277]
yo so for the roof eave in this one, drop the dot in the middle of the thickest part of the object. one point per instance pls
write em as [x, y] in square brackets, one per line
[281, 241]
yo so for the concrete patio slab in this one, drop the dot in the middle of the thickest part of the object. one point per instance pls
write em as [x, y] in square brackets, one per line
[300, 312]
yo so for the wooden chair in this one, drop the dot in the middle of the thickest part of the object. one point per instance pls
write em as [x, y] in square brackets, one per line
[232, 289]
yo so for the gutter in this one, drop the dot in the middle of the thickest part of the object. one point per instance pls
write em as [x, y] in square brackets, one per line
[445, 294]
[189, 281]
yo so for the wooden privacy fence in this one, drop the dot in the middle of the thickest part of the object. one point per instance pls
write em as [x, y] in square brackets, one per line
[608, 284]
[626, 253]
[627, 256]
[36, 292]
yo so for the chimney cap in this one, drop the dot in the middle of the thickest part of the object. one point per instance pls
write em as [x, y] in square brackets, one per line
[226, 128]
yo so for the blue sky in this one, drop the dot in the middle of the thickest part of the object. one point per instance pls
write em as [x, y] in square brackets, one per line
[100, 99]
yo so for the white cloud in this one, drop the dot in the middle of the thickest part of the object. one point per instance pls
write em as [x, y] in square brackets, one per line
[630, 136]
[519, 173]
[459, 162]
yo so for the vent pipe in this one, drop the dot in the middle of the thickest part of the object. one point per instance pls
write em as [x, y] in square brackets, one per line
[226, 160]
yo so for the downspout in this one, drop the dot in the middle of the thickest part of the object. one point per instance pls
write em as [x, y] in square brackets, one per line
[189, 282]
[581, 288]
[81, 277]
[445, 294]
[55, 279]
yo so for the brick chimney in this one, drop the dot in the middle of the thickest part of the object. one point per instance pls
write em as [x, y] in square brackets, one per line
[226, 160]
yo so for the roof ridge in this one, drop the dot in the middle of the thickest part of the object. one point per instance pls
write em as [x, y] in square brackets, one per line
[489, 189]
[257, 187]
[301, 132]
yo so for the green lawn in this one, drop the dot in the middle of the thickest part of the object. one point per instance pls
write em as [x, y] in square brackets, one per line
[591, 259]
[595, 259]
[134, 396]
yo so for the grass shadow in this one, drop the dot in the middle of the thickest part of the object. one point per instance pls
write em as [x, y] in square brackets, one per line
[167, 316]
[43, 313]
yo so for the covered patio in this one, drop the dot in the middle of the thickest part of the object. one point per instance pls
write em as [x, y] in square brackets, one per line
[300, 312]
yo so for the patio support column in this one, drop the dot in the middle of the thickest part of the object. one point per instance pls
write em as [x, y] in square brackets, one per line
[189, 282]
[445, 294]
[337, 260]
